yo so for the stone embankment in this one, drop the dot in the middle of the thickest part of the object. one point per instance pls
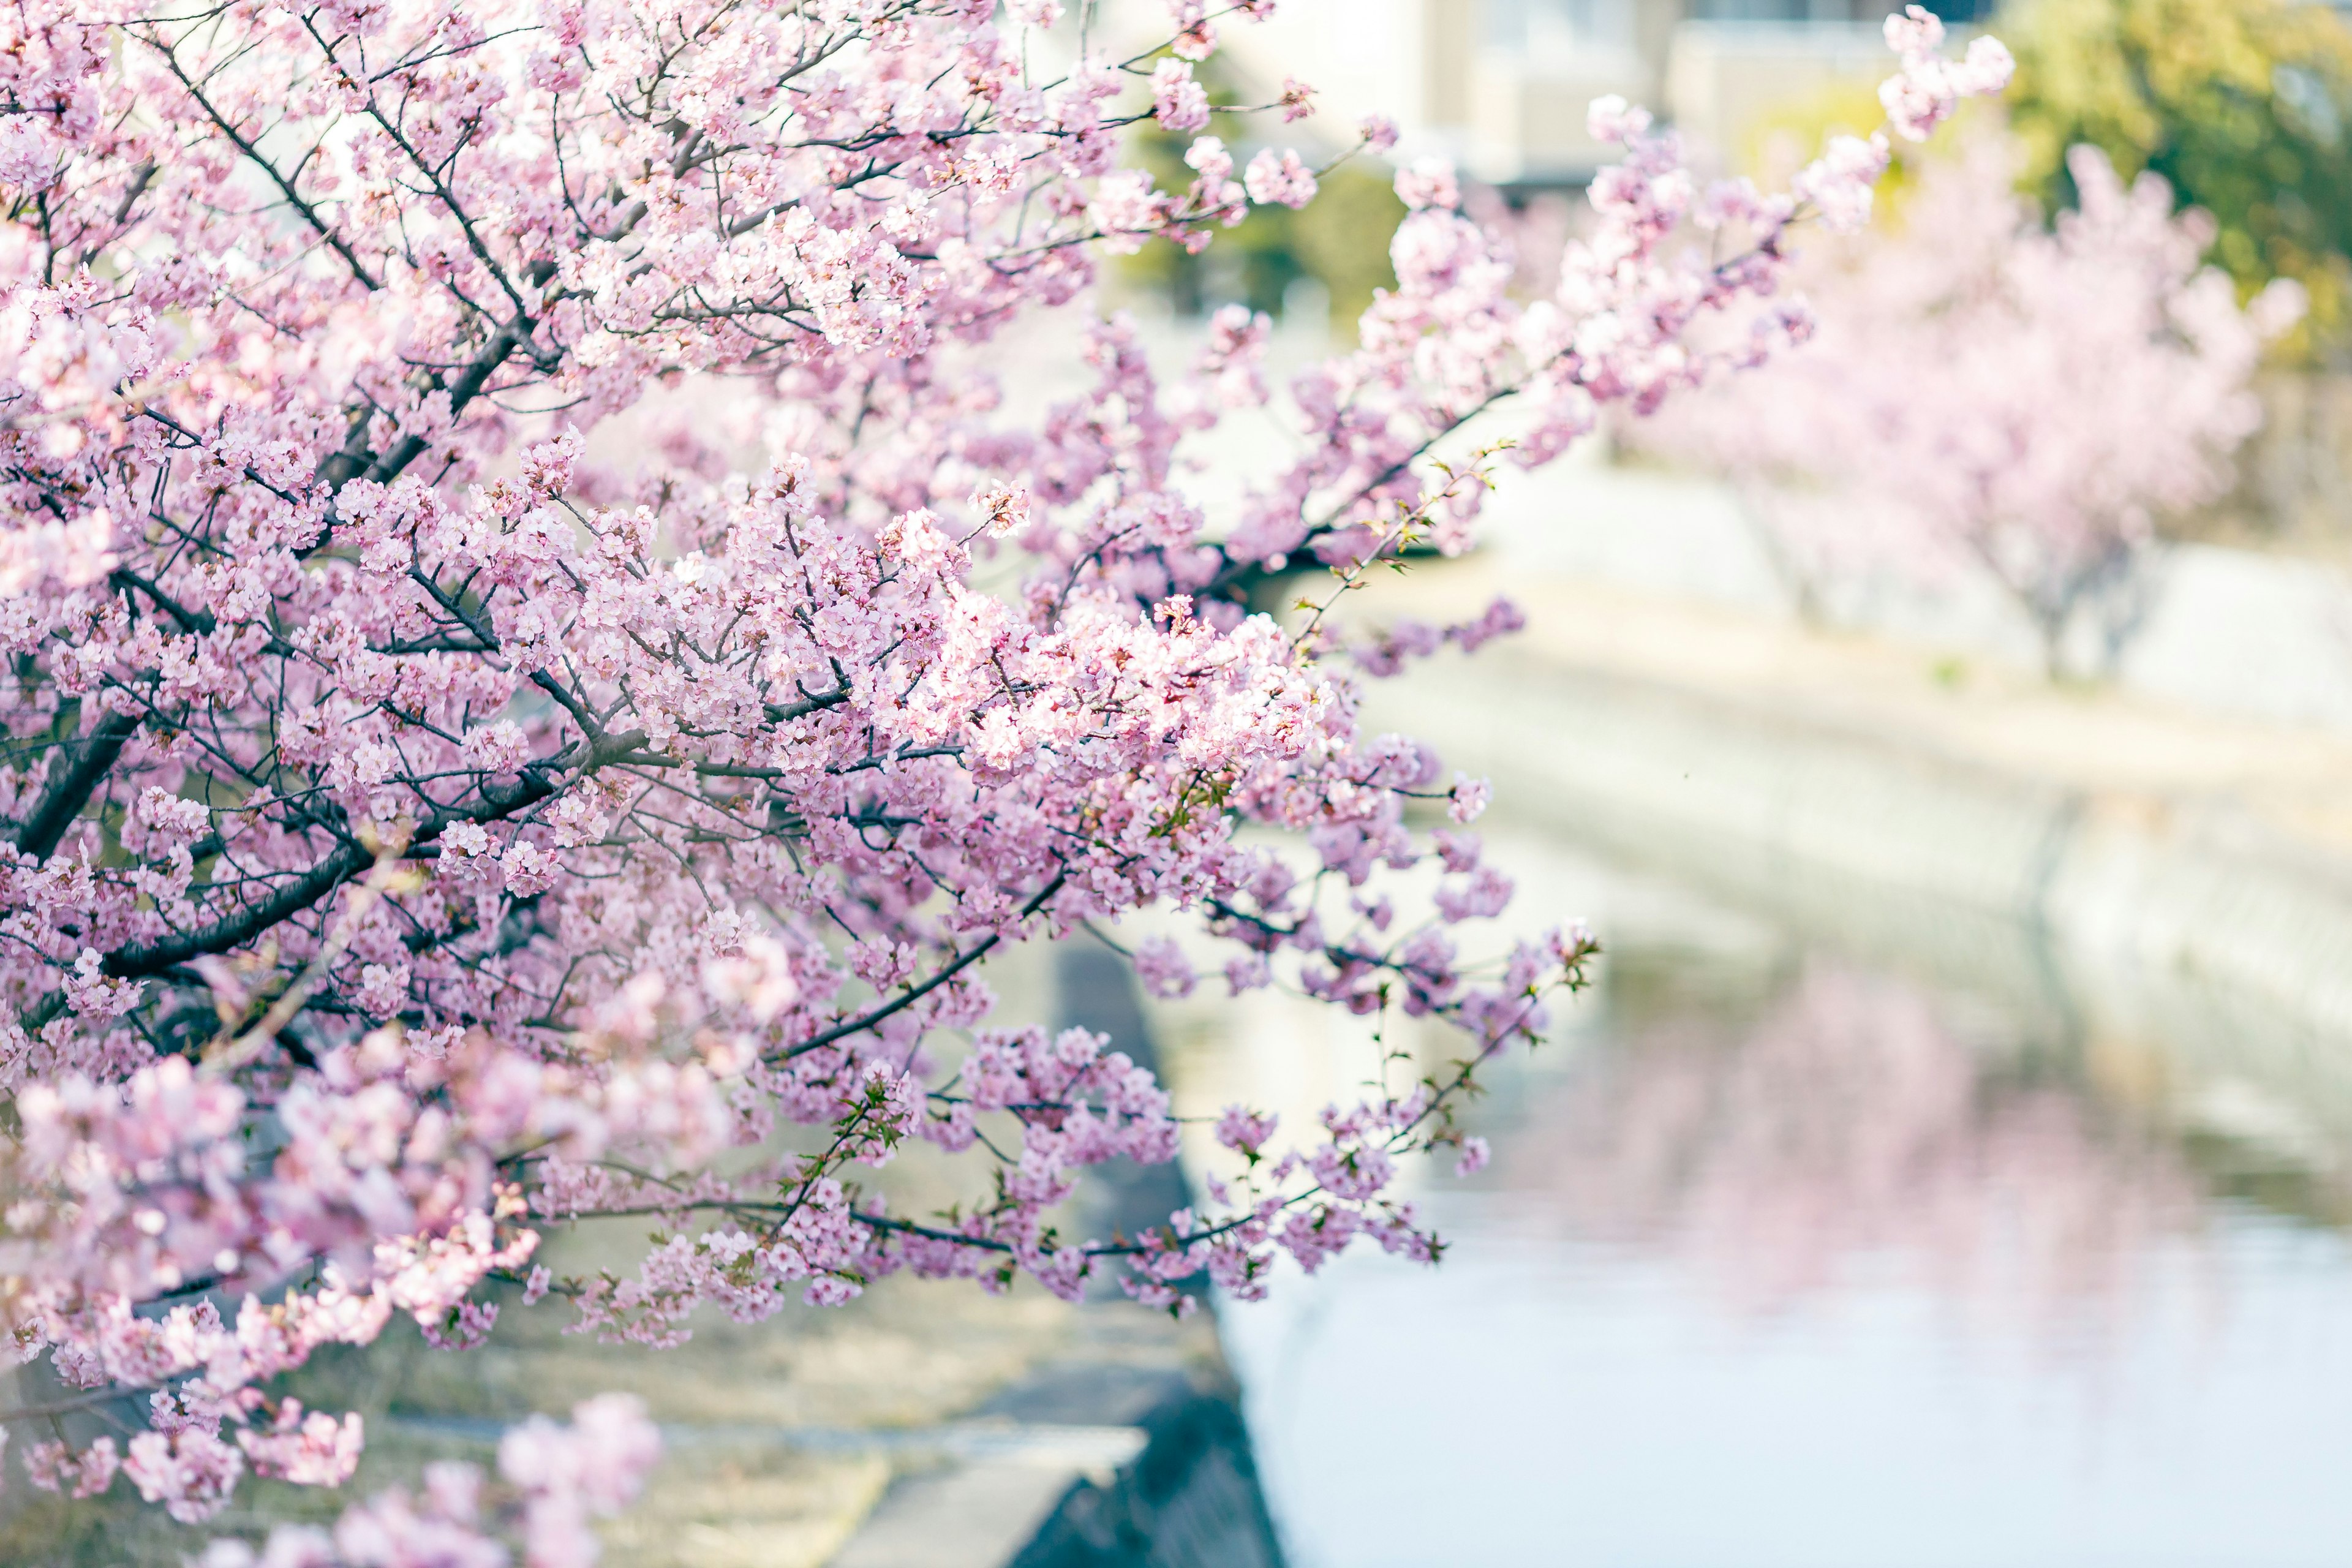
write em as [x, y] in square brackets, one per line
[2109, 850]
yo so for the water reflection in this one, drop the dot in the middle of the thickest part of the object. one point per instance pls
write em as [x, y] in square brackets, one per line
[1789, 1259]
[1852, 1132]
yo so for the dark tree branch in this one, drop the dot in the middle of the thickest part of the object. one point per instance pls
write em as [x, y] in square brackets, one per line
[70, 791]
[252, 154]
[463, 391]
[912, 995]
[347, 861]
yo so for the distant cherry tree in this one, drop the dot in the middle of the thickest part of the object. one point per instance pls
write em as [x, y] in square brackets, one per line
[426, 826]
[1986, 392]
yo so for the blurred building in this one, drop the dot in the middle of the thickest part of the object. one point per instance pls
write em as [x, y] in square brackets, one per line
[1502, 86]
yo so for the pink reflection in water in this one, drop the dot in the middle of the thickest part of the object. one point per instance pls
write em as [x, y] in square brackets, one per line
[1848, 1130]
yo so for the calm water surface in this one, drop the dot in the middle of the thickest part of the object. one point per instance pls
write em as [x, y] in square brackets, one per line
[1786, 1257]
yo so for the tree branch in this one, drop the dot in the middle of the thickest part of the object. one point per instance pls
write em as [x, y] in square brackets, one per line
[70, 791]
[252, 154]
[347, 861]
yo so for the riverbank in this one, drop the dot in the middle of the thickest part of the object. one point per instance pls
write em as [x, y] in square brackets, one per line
[2122, 855]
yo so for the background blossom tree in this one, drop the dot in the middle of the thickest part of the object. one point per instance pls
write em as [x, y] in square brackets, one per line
[2244, 109]
[1986, 392]
[423, 831]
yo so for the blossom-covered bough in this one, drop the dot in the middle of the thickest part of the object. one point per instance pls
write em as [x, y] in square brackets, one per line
[425, 827]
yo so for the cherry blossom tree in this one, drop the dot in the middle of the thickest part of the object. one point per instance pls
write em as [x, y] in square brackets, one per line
[1986, 393]
[426, 828]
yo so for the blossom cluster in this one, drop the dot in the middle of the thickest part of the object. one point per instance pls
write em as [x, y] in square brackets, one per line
[1633, 319]
[423, 829]
[557, 1478]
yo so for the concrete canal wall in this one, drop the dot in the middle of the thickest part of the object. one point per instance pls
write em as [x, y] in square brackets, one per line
[2166, 873]
[1134, 1450]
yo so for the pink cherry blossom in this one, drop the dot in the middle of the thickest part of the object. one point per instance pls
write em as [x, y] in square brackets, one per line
[1838, 185]
[190, 1471]
[1429, 184]
[433, 817]
[310, 1448]
[1163, 969]
[1930, 88]
[1178, 101]
[557, 1479]
[1282, 177]
[54, 1466]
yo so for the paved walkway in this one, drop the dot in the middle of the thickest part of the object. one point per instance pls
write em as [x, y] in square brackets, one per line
[1972, 713]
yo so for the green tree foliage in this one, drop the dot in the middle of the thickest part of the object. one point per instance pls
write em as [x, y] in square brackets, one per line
[2245, 106]
[1341, 238]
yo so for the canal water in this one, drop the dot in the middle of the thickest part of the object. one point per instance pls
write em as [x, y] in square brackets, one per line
[1791, 1256]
